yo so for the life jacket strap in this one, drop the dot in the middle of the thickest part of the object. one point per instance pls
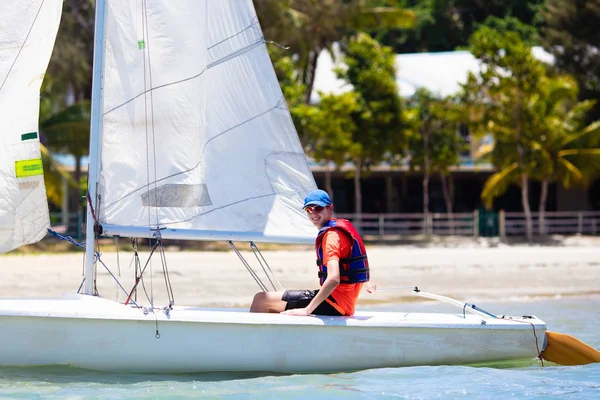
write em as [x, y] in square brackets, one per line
[352, 259]
[323, 274]
[345, 260]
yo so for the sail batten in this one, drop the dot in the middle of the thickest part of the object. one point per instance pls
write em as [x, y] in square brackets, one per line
[216, 153]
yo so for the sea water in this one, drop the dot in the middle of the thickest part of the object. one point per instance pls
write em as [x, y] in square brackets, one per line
[579, 317]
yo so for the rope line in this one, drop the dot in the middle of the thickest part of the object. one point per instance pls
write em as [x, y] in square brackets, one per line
[262, 260]
[97, 258]
[258, 281]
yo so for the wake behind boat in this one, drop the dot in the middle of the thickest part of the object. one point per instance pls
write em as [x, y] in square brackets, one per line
[191, 138]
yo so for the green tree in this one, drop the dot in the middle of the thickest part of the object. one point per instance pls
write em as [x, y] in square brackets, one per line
[568, 150]
[54, 173]
[571, 34]
[379, 128]
[363, 127]
[500, 96]
[435, 143]
[311, 26]
[70, 67]
[67, 132]
[330, 130]
[445, 25]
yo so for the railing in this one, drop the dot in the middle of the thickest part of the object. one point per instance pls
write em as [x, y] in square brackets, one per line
[500, 224]
[473, 224]
[464, 224]
[560, 222]
[70, 224]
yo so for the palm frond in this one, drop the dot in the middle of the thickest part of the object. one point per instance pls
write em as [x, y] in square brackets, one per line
[571, 152]
[591, 129]
[497, 184]
[577, 114]
[58, 167]
[572, 169]
[385, 17]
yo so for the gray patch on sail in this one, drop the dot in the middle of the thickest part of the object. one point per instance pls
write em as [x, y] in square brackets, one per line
[177, 195]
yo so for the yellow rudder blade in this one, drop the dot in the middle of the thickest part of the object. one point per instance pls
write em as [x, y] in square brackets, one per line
[566, 350]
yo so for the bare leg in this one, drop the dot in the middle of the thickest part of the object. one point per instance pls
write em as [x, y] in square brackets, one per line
[266, 302]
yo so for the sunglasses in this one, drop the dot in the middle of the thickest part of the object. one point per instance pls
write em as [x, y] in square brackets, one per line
[314, 209]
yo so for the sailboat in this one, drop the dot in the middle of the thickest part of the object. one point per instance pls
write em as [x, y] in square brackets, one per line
[191, 139]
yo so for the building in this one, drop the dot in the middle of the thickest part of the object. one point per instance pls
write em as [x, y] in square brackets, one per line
[393, 190]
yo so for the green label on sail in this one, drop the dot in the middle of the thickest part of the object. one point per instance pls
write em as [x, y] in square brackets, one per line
[28, 136]
[141, 44]
[25, 168]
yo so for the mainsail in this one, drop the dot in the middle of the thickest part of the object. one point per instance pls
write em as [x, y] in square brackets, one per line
[196, 134]
[27, 32]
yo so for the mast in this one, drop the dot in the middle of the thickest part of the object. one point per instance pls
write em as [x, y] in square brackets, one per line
[95, 141]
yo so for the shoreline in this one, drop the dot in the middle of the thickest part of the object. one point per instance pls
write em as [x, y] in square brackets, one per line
[219, 279]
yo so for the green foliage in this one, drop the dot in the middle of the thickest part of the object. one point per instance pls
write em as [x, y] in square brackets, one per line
[330, 128]
[371, 72]
[67, 131]
[445, 25]
[571, 34]
[567, 150]
[364, 126]
[528, 33]
[500, 99]
[308, 27]
[54, 173]
[285, 69]
[440, 119]
[70, 68]
[538, 127]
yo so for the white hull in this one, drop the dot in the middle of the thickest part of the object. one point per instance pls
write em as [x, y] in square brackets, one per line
[98, 334]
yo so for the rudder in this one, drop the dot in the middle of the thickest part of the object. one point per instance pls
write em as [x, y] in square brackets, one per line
[566, 350]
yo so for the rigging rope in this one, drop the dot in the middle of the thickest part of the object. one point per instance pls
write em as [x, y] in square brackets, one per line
[258, 281]
[260, 257]
[96, 259]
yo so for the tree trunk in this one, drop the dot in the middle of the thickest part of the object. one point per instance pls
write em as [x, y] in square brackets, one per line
[357, 197]
[542, 209]
[426, 172]
[328, 186]
[526, 209]
[524, 180]
[447, 200]
[310, 74]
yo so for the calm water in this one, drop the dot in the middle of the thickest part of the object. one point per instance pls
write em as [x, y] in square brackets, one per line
[579, 317]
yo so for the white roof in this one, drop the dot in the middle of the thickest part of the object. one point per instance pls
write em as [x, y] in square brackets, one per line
[441, 73]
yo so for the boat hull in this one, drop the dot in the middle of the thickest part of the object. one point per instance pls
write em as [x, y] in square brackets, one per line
[98, 334]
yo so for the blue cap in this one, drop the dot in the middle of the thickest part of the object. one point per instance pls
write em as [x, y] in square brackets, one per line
[317, 198]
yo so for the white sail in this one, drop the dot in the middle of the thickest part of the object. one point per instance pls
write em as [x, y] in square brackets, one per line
[196, 134]
[27, 32]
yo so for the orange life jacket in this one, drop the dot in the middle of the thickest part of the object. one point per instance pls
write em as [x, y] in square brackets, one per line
[353, 269]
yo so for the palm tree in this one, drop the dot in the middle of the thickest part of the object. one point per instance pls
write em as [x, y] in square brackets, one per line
[568, 150]
[559, 147]
[54, 174]
[67, 132]
[500, 97]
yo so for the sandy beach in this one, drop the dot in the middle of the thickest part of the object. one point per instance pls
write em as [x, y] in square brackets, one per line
[217, 278]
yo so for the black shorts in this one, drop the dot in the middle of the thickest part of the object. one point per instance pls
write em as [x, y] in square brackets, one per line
[302, 298]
